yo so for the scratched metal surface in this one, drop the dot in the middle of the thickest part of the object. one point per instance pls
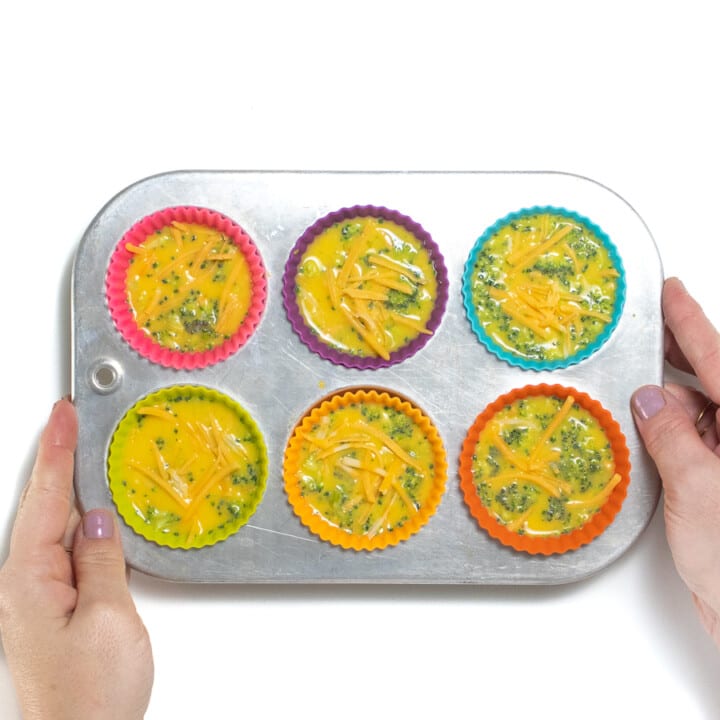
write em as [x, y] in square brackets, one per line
[277, 378]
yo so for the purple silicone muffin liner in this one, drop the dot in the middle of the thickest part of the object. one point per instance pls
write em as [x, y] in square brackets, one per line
[311, 339]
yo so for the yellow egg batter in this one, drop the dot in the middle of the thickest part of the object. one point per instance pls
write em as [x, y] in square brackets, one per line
[543, 466]
[366, 286]
[188, 287]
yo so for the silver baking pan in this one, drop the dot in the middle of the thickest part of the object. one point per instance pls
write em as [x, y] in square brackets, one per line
[276, 378]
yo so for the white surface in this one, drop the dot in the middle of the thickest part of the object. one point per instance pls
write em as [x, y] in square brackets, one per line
[93, 99]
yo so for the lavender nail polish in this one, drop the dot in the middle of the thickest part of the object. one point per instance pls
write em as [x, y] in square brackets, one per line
[98, 524]
[648, 401]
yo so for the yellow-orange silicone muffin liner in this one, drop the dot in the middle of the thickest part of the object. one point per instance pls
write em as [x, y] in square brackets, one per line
[117, 470]
[324, 527]
[550, 544]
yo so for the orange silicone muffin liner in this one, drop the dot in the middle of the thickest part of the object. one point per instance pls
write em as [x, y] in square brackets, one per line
[555, 544]
[122, 314]
[312, 519]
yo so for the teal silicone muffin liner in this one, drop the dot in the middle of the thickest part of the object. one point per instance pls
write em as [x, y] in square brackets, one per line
[516, 359]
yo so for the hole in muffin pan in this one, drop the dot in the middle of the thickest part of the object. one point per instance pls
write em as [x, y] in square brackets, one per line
[105, 376]
[278, 378]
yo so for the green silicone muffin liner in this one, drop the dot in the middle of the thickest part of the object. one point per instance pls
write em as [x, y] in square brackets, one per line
[513, 358]
[117, 469]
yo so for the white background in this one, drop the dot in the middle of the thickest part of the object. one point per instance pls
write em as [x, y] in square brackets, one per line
[95, 96]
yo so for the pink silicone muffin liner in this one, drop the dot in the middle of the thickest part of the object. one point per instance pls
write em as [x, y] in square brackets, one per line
[306, 334]
[117, 298]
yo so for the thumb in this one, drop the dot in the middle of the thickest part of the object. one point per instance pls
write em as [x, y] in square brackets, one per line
[671, 438]
[98, 561]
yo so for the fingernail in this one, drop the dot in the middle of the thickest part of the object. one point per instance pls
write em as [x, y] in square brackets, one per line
[98, 524]
[648, 401]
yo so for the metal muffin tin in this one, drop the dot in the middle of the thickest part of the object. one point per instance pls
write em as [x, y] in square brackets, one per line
[277, 378]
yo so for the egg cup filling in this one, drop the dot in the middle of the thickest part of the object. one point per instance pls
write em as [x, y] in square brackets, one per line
[544, 469]
[187, 467]
[364, 469]
[543, 288]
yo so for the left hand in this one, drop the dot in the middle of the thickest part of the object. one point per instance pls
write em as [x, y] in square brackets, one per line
[74, 642]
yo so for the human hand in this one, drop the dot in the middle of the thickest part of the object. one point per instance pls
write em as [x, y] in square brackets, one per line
[681, 430]
[74, 642]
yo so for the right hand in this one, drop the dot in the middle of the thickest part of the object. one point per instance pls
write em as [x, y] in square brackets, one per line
[681, 430]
